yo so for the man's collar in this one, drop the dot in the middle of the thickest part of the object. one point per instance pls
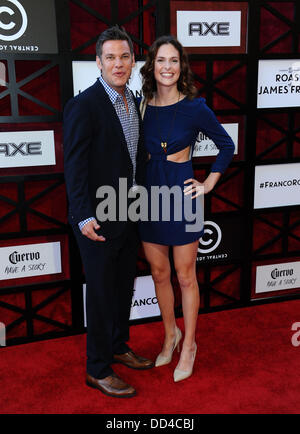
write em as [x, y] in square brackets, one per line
[112, 93]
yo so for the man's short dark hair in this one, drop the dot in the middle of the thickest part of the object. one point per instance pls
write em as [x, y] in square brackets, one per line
[114, 33]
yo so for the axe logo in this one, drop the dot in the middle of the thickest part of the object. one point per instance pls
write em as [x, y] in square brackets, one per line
[224, 30]
[24, 148]
[27, 148]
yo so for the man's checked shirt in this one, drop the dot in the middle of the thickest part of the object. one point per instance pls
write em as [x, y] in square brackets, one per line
[129, 122]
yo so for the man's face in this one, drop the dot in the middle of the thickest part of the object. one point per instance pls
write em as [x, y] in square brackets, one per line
[116, 63]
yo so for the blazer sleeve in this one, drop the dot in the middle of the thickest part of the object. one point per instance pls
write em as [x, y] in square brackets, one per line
[77, 139]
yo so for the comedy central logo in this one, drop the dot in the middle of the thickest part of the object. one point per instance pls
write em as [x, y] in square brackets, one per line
[13, 21]
[211, 238]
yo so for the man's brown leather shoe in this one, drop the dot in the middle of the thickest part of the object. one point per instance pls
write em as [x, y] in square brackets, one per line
[133, 361]
[112, 386]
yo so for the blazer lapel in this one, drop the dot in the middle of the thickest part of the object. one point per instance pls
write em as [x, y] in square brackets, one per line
[138, 111]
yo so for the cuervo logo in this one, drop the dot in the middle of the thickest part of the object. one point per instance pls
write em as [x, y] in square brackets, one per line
[204, 28]
[16, 257]
[281, 273]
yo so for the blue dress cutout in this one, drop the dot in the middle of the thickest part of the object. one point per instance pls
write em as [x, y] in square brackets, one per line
[192, 116]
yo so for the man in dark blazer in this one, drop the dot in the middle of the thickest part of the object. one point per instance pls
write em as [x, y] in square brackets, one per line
[103, 145]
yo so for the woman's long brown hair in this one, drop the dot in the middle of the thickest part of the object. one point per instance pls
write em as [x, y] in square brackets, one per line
[185, 82]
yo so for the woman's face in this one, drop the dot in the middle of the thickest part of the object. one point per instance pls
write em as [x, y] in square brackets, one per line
[167, 65]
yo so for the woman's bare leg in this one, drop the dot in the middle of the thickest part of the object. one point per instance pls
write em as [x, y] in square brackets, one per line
[158, 257]
[185, 265]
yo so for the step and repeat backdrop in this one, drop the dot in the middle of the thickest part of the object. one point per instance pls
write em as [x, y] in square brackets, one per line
[244, 56]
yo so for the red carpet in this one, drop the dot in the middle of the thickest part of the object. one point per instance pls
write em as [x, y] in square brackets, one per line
[246, 363]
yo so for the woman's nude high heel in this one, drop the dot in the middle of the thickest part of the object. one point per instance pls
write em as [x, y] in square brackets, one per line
[164, 360]
[182, 375]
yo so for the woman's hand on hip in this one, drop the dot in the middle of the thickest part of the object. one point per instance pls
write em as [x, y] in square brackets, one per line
[197, 188]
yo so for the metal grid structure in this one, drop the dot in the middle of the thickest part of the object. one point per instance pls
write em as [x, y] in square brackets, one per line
[45, 309]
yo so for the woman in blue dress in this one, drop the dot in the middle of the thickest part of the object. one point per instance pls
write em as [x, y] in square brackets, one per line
[173, 117]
